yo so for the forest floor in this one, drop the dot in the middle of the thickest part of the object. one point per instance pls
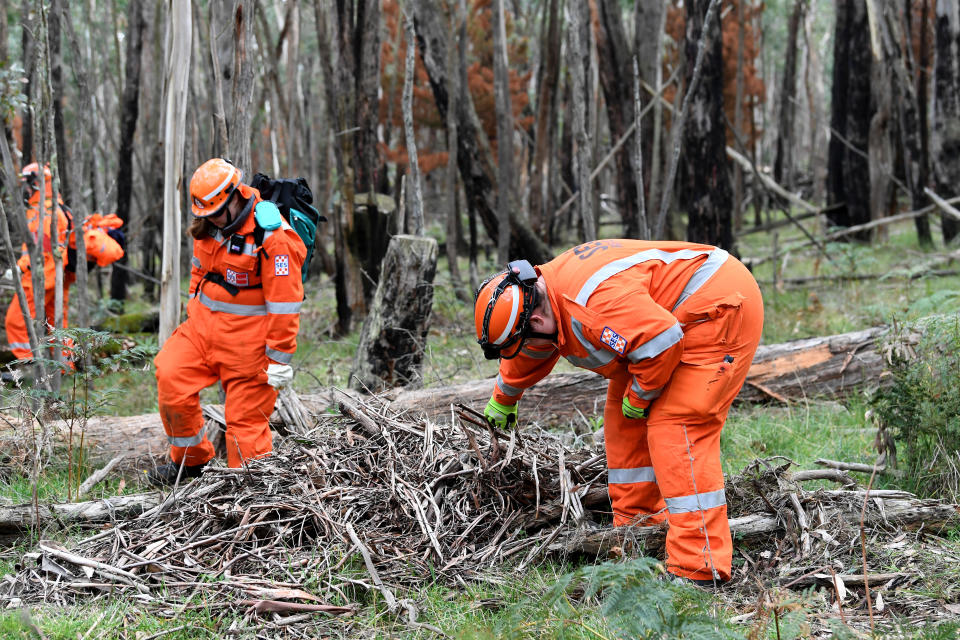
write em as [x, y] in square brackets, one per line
[555, 594]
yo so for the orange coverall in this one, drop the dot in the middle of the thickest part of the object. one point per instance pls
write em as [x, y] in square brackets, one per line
[232, 338]
[100, 248]
[673, 326]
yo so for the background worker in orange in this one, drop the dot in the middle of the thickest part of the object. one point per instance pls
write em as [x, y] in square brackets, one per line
[673, 326]
[101, 249]
[242, 322]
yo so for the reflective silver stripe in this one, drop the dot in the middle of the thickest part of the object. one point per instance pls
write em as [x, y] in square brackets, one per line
[697, 502]
[279, 356]
[230, 307]
[514, 312]
[628, 476]
[596, 358]
[506, 388]
[190, 441]
[642, 393]
[623, 264]
[195, 261]
[283, 307]
[657, 344]
[537, 354]
[220, 186]
[702, 274]
[20, 345]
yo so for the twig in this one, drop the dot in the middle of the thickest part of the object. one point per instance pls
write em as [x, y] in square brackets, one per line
[97, 476]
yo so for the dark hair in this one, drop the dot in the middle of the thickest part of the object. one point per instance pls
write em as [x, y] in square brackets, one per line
[201, 228]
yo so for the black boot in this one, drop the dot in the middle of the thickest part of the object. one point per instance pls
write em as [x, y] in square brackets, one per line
[166, 474]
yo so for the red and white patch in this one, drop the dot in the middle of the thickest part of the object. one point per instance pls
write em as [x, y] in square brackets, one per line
[613, 340]
[281, 266]
[238, 278]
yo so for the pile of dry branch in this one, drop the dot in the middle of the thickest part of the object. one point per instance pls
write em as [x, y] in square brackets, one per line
[375, 502]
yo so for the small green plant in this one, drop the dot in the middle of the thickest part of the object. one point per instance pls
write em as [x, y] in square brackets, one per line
[920, 408]
[618, 600]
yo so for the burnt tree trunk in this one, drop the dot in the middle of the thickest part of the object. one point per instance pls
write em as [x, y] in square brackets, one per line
[912, 127]
[28, 46]
[946, 123]
[848, 173]
[473, 151]
[616, 68]
[783, 162]
[395, 330]
[704, 183]
[129, 112]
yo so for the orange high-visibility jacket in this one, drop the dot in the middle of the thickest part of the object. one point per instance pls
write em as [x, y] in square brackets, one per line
[621, 306]
[33, 224]
[253, 291]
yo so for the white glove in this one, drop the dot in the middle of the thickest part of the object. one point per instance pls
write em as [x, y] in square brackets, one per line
[279, 375]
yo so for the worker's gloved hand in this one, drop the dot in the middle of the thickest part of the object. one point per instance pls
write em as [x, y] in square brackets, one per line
[630, 411]
[500, 415]
[279, 375]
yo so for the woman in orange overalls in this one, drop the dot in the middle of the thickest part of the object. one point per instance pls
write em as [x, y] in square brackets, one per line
[242, 322]
[673, 326]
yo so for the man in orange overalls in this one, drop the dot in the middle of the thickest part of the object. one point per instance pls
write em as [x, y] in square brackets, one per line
[101, 249]
[673, 326]
[242, 322]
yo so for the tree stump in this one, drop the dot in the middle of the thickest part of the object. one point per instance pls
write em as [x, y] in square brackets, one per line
[395, 330]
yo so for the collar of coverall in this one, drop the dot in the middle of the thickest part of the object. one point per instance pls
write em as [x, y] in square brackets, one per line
[555, 336]
[235, 224]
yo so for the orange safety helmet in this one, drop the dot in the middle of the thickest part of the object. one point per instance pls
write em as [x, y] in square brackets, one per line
[30, 175]
[212, 185]
[502, 309]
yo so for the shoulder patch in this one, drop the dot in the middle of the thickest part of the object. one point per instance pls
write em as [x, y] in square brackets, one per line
[614, 340]
[268, 215]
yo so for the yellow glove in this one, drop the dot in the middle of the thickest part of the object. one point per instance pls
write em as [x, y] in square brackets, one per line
[500, 415]
[630, 411]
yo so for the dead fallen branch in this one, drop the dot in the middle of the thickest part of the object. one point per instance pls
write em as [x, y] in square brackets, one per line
[20, 518]
[860, 467]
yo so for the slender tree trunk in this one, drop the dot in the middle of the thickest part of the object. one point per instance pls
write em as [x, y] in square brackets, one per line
[648, 38]
[413, 164]
[129, 111]
[738, 117]
[501, 91]
[547, 84]
[238, 146]
[616, 70]
[946, 123]
[704, 186]
[175, 105]
[457, 26]
[578, 61]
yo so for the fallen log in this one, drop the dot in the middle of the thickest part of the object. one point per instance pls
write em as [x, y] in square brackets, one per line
[901, 513]
[16, 519]
[831, 366]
